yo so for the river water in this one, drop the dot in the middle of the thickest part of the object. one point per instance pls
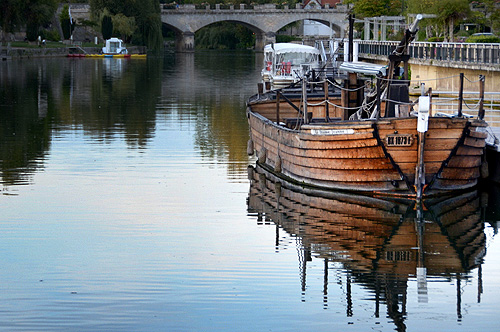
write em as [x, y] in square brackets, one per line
[127, 204]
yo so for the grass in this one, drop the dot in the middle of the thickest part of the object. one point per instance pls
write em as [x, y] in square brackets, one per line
[48, 44]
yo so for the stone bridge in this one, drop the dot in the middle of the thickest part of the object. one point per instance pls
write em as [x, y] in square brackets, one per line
[263, 20]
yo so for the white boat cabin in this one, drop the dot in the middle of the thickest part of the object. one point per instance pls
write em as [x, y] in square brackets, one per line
[114, 46]
[286, 63]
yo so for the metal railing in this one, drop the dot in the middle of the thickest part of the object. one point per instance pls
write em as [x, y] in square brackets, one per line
[471, 53]
[446, 102]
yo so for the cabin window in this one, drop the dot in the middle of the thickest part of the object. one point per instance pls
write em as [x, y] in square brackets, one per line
[296, 58]
[268, 57]
[113, 46]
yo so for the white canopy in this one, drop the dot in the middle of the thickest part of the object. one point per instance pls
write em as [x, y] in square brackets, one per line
[290, 47]
[363, 68]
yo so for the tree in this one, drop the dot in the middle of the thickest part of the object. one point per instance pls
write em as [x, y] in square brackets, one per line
[373, 8]
[146, 14]
[10, 15]
[32, 13]
[67, 25]
[107, 27]
[124, 26]
[430, 26]
[149, 23]
[38, 13]
[449, 11]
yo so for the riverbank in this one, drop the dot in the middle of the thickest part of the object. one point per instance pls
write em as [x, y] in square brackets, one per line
[7, 52]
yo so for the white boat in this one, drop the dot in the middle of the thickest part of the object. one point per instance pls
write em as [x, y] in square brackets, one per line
[114, 46]
[286, 63]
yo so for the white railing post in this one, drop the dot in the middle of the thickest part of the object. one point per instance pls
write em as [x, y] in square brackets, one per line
[367, 29]
[355, 51]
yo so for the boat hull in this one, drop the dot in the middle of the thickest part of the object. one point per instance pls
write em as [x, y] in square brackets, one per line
[372, 156]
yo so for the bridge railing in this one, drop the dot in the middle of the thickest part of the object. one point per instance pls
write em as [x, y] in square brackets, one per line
[488, 54]
[240, 7]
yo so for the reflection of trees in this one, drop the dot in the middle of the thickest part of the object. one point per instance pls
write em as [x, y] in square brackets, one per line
[24, 98]
[107, 99]
[128, 102]
[216, 86]
[111, 99]
[221, 135]
[381, 244]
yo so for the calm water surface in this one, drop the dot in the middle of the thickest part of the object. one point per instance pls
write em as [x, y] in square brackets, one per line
[127, 205]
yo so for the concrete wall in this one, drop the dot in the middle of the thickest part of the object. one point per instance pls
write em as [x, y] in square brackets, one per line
[435, 75]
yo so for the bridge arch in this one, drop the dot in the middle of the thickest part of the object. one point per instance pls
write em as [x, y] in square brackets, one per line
[263, 20]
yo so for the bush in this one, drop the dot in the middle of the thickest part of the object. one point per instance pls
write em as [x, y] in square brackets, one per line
[483, 39]
[32, 32]
[436, 39]
[51, 35]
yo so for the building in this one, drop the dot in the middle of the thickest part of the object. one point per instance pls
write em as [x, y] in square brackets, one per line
[313, 28]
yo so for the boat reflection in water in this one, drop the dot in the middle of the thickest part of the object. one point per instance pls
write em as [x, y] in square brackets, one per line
[380, 243]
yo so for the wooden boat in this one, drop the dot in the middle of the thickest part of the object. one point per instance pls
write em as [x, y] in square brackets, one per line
[336, 136]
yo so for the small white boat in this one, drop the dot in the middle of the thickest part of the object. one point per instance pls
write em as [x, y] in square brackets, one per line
[114, 46]
[286, 63]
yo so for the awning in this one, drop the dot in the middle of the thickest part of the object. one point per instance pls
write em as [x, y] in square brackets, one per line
[289, 48]
[365, 68]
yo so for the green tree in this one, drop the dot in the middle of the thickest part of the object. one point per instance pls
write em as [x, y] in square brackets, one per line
[224, 35]
[66, 25]
[33, 14]
[107, 27]
[449, 12]
[38, 13]
[124, 26]
[373, 8]
[10, 16]
[149, 23]
[146, 14]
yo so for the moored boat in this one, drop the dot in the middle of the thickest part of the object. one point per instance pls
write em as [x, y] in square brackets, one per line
[115, 56]
[114, 46]
[339, 137]
[287, 63]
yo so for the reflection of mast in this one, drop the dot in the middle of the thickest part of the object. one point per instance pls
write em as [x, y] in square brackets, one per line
[479, 283]
[421, 270]
[459, 298]
[303, 259]
[395, 288]
[325, 284]
[349, 296]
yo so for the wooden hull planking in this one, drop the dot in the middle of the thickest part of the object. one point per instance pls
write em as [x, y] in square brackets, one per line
[358, 156]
